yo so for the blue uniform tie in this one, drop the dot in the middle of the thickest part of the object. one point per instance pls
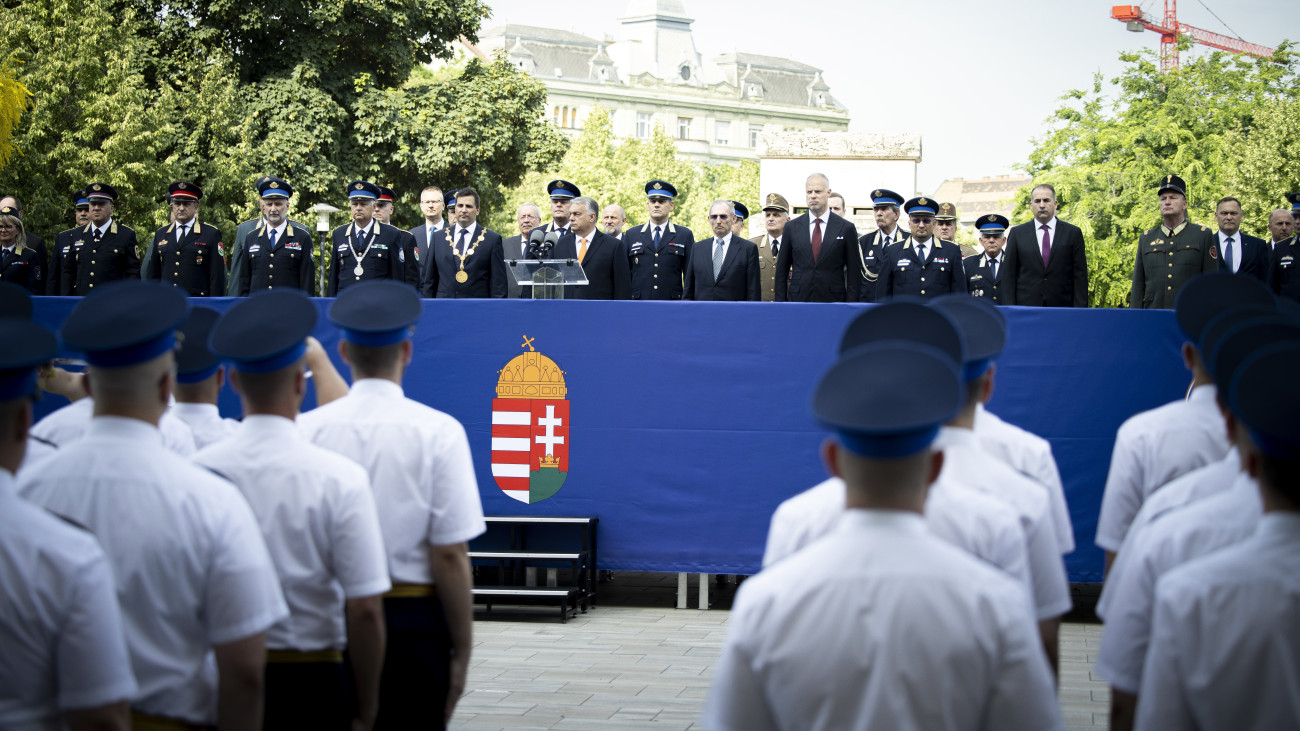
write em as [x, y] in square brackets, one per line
[657, 230]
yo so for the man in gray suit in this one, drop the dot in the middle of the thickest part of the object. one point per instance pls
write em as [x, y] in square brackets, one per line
[516, 247]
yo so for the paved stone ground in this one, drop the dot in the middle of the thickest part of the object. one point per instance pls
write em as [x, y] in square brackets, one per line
[637, 662]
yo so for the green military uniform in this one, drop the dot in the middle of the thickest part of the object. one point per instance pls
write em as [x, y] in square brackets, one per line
[1167, 259]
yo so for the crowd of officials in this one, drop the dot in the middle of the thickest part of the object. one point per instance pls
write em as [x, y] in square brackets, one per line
[818, 256]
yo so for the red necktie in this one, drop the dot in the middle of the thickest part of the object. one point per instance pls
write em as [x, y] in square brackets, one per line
[1047, 245]
[817, 238]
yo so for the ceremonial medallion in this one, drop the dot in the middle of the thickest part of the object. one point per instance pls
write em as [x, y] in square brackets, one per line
[357, 270]
[462, 277]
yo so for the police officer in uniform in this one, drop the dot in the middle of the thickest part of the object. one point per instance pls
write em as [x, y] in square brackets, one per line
[278, 253]
[871, 247]
[1283, 268]
[659, 250]
[34, 242]
[364, 249]
[63, 242]
[273, 200]
[187, 253]
[408, 254]
[562, 193]
[742, 215]
[1172, 253]
[65, 663]
[19, 262]
[103, 251]
[195, 582]
[317, 513]
[921, 266]
[984, 271]
[427, 497]
[776, 212]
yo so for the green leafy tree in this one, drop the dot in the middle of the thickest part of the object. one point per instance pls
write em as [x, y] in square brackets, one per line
[1105, 155]
[1265, 161]
[14, 100]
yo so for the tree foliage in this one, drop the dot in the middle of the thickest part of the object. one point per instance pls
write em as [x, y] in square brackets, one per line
[1104, 155]
[14, 100]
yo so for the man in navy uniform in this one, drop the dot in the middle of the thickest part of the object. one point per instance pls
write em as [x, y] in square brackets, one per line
[273, 201]
[278, 253]
[776, 212]
[741, 212]
[187, 253]
[816, 263]
[922, 266]
[468, 260]
[409, 254]
[364, 249]
[603, 258]
[103, 251]
[1241, 253]
[63, 242]
[562, 193]
[872, 246]
[658, 251]
[984, 271]
[1172, 253]
[1294, 199]
[1284, 271]
[723, 268]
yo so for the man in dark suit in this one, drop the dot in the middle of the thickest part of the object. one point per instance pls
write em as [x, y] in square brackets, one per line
[723, 268]
[871, 247]
[1240, 253]
[816, 262]
[776, 213]
[63, 242]
[603, 259]
[527, 216]
[274, 205]
[187, 253]
[277, 253]
[984, 271]
[409, 253]
[1045, 261]
[921, 266]
[469, 260]
[364, 249]
[103, 251]
[432, 204]
[658, 251]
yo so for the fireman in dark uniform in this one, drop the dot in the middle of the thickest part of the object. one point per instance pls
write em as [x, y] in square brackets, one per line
[984, 271]
[277, 253]
[63, 242]
[103, 250]
[187, 253]
[659, 250]
[1172, 253]
[364, 249]
[408, 254]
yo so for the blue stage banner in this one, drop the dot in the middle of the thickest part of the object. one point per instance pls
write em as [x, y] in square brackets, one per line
[683, 425]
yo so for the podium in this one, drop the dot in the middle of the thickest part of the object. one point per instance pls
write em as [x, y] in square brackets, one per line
[547, 278]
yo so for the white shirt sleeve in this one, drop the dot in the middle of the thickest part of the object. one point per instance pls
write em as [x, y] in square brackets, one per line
[1164, 705]
[1024, 693]
[94, 668]
[1051, 588]
[457, 511]
[242, 595]
[1122, 497]
[360, 563]
[736, 697]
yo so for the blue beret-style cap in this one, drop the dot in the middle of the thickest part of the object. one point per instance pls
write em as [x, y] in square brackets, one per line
[101, 192]
[656, 189]
[450, 198]
[907, 321]
[890, 418]
[921, 206]
[1294, 198]
[983, 332]
[885, 197]
[269, 187]
[741, 210]
[1207, 295]
[1245, 339]
[79, 198]
[363, 189]
[1219, 325]
[560, 189]
[195, 361]
[15, 301]
[992, 224]
[1267, 411]
[265, 332]
[126, 322]
[377, 313]
[27, 345]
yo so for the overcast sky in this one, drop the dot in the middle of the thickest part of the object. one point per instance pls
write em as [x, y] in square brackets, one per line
[977, 80]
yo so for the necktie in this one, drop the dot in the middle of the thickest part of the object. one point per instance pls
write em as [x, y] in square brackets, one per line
[993, 267]
[886, 241]
[582, 249]
[98, 235]
[181, 232]
[717, 260]
[776, 247]
[361, 237]
[817, 238]
[272, 237]
[460, 245]
[658, 230]
[1047, 245]
[1227, 253]
[920, 251]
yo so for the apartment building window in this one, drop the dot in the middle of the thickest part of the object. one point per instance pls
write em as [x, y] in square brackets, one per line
[722, 133]
[683, 128]
[642, 125]
[753, 135]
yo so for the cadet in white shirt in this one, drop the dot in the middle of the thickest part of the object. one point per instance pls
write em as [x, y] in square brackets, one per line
[420, 470]
[199, 378]
[880, 625]
[1225, 651]
[1159, 445]
[194, 580]
[1031, 455]
[72, 422]
[318, 518]
[64, 662]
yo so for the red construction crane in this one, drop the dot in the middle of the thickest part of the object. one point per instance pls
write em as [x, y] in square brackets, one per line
[1169, 29]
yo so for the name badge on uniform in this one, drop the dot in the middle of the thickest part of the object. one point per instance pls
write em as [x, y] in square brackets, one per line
[254, 248]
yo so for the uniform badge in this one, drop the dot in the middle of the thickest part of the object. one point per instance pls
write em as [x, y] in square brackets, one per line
[401, 255]
[1214, 251]
[358, 186]
[530, 427]
[254, 248]
[274, 184]
[658, 186]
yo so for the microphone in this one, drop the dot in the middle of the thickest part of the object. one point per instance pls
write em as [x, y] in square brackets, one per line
[548, 243]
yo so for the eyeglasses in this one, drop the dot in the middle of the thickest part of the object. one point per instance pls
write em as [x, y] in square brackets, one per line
[722, 217]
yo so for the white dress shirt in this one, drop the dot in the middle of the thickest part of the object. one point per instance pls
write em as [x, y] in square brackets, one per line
[68, 424]
[420, 469]
[1236, 249]
[880, 625]
[824, 218]
[205, 422]
[1199, 529]
[190, 565]
[59, 622]
[1153, 448]
[1051, 235]
[1225, 653]
[318, 517]
[1032, 455]
[37, 450]
[279, 232]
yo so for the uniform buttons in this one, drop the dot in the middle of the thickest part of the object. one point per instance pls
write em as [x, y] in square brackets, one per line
[92, 285]
[656, 263]
[656, 276]
[1171, 276]
[656, 286]
[272, 266]
[1168, 287]
[92, 273]
[923, 291]
[268, 286]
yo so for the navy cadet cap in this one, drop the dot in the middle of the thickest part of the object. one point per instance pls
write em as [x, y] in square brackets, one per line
[1244, 340]
[363, 189]
[101, 192]
[1209, 294]
[27, 345]
[983, 332]
[740, 209]
[195, 361]
[266, 332]
[126, 322]
[886, 197]
[907, 321]
[377, 313]
[892, 418]
[450, 198]
[1171, 182]
[15, 301]
[184, 191]
[921, 206]
[1269, 412]
[658, 189]
[1221, 323]
[79, 199]
[561, 189]
[992, 225]
[1294, 198]
[270, 187]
